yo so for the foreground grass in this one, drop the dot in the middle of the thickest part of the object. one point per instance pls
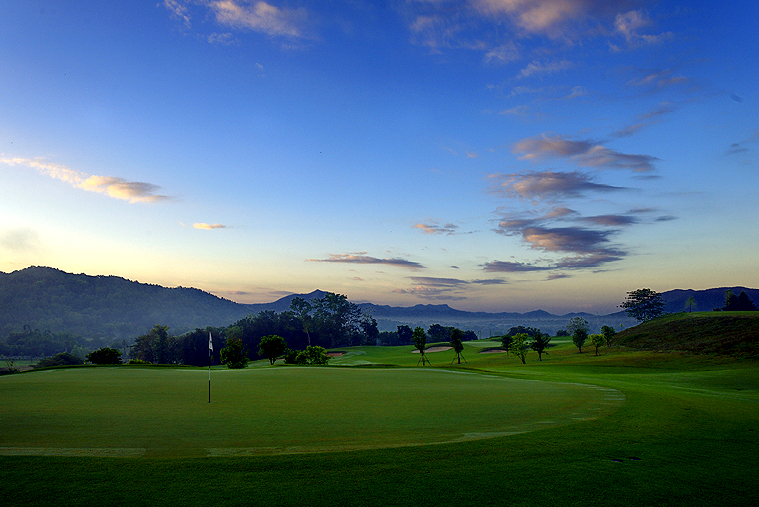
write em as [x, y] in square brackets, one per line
[687, 434]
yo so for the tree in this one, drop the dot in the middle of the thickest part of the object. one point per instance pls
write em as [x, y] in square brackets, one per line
[540, 343]
[438, 333]
[597, 340]
[104, 355]
[506, 342]
[608, 333]
[156, 346]
[420, 342]
[744, 303]
[405, 335]
[690, 303]
[234, 355]
[315, 354]
[643, 304]
[272, 347]
[457, 343]
[301, 309]
[520, 346]
[579, 328]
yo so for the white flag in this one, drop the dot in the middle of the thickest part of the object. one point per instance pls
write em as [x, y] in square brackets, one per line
[210, 343]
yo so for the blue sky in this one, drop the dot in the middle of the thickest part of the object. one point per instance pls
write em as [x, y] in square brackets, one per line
[496, 155]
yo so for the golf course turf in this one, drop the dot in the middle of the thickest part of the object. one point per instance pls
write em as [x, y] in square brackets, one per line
[657, 429]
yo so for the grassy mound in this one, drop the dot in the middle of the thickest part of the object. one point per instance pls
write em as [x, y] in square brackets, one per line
[725, 333]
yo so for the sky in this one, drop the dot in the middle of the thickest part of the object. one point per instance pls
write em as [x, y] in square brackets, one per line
[492, 155]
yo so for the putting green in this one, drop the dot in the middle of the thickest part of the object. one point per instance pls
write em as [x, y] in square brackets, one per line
[165, 412]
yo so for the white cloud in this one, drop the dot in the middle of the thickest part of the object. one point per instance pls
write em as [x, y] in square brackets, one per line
[260, 17]
[112, 186]
[209, 226]
[536, 68]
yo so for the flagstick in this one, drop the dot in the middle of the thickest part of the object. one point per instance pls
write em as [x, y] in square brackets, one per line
[210, 350]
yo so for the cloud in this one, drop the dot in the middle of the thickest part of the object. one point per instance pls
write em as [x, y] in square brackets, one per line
[178, 11]
[361, 258]
[585, 153]
[611, 220]
[536, 68]
[658, 79]
[221, 39]
[261, 17]
[209, 226]
[547, 185]
[112, 186]
[20, 240]
[512, 267]
[534, 16]
[630, 25]
[430, 281]
[442, 289]
[448, 229]
[566, 239]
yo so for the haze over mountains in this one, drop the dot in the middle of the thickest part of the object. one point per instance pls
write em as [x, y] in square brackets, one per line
[110, 306]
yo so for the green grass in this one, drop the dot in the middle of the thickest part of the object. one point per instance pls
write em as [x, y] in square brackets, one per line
[165, 412]
[727, 333]
[690, 421]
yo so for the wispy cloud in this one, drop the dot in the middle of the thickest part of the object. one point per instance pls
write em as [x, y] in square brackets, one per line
[442, 289]
[209, 226]
[20, 240]
[547, 185]
[536, 68]
[112, 186]
[178, 10]
[254, 15]
[583, 152]
[658, 79]
[631, 26]
[261, 17]
[433, 228]
[362, 258]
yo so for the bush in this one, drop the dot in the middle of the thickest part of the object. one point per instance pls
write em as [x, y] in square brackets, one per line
[104, 355]
[62, 359]
[138, 361]
[312, 355]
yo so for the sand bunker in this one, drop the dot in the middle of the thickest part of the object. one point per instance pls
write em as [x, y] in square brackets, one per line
[335, 354]
[432, 349]
[491, 351]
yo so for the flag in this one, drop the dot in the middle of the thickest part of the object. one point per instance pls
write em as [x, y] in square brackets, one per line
[210, 343]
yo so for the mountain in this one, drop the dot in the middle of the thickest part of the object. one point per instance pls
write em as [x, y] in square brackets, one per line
[110, 306]
[97, 306]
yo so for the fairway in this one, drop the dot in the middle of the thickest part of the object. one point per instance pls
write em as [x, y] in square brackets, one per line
[165, 411]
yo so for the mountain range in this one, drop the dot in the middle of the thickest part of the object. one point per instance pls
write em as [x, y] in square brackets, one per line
[110, 306]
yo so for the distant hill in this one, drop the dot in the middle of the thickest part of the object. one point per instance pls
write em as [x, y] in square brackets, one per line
[96, 306]
[706, 300]
[110, 306]
[725, 333]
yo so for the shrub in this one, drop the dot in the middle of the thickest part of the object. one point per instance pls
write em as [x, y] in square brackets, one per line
[62, 359]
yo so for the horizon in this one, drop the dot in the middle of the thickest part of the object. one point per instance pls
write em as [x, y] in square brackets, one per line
[488, 155]
[559, 313]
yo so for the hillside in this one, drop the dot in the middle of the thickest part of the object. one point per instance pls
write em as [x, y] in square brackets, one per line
[116, 308]
[96, 306]
[726, 333]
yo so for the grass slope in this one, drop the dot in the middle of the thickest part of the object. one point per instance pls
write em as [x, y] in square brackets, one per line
[687, 434]
[731, 333]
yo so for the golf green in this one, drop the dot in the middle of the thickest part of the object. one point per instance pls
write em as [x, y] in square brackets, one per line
[123, 411]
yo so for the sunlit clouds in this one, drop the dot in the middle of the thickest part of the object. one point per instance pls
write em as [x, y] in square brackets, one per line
[118, 188]
[433, 228]
[257, 16]
[584, 153]
[208, 227]
[362, 258]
